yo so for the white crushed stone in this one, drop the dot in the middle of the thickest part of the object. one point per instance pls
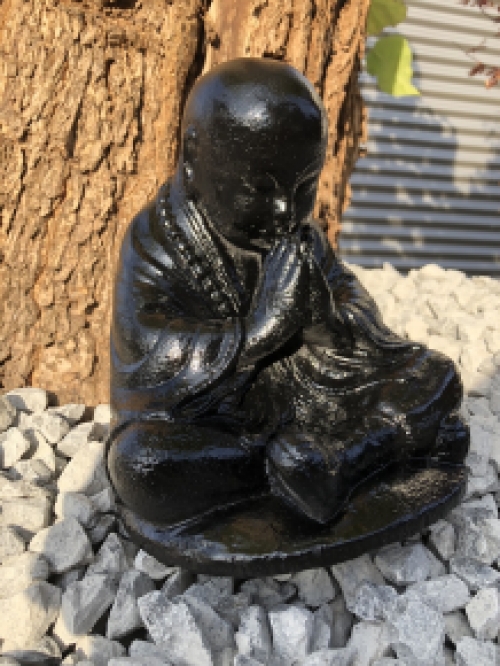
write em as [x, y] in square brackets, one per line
[177, 583]
[110, 558]
[373, 601]
[86, 600]
[144, 650]
[443, 538]
[253, 638]
[64, 545]
[403, 565]
[85, 473]
[351, 574]
[75, 505]
[150, 566]
[292, 629]
[10, 543]
[483, 613]
[75, 439]
[417, 632]
[322, 628]
[19, 571]
[8, 414]
[243, 660]
[471, 652]
[173, 626]
[456, 626]
[45, 648]
[33, 470]
[124, 617]
[41, 449]
[216, 592]
[218, 633]
[100, 528]
[13, 446]
[342, 623]
[232, 607]
[445, 593]
[28, 399]
[103, 501]
[368, 642]
[474, 573]
[51, 425]
[24, 507]
[268, 592]
[314, 586]
[340, 657]
[26, 616]
[98, 650]
[65, 579]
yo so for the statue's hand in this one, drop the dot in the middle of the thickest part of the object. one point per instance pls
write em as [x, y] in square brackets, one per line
[283, 290]
[325, 324]
[280, 305]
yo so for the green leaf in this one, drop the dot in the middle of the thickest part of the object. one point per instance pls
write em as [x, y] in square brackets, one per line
[390, 60]
[383, 13]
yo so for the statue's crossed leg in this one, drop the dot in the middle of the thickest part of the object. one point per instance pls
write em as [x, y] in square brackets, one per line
[411, 415]
[167, 472]
[316, 477]
[177, 471]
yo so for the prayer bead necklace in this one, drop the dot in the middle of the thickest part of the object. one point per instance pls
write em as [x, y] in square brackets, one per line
[198, 265]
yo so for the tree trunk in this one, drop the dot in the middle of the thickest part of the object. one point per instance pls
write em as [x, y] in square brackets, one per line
[91, 95]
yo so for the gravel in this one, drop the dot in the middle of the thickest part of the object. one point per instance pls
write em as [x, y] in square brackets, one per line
[73, 591]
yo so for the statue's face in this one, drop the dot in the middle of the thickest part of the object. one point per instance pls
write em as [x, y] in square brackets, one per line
[269, 192]
[257, 186]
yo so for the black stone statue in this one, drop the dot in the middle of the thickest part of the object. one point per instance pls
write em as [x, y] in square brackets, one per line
[264, 417]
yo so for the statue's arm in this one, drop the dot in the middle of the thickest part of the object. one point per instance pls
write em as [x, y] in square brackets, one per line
[280, 303]
[263, 336]
[155, 339]
[356, 309]
[183, 354]
[162, 332]
[254, 337]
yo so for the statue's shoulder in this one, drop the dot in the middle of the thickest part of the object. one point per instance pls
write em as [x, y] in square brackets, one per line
[139, 226]
[145, 241]
[148, 220]
[155, 219]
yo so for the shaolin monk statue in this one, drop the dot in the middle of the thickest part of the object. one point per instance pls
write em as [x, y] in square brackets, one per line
[246, 358]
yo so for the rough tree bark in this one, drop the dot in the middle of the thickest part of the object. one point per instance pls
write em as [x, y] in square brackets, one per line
[91, 94]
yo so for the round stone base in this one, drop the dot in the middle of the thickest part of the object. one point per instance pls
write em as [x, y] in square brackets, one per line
[263, 536]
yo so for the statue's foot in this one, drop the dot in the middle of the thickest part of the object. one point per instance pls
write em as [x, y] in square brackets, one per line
[316, 477]
[452, 441]
[421, 401]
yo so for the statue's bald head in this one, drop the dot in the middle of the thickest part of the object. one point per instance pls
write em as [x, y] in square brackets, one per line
[252, 95]
[254, 135]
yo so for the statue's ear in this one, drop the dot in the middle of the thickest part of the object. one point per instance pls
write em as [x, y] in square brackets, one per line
[190, 144]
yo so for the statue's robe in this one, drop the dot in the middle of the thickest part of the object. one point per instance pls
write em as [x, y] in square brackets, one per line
[188, 429]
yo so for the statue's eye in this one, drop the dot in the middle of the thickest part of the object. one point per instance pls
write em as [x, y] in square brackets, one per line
[265, 186]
